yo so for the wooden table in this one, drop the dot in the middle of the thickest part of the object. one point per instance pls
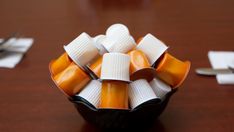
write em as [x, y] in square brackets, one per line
[29, 101]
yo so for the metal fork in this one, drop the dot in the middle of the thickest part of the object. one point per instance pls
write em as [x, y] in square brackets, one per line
[8, 38]
[4, 49]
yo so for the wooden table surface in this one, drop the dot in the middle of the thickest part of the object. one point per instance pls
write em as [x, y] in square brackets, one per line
[29, 101]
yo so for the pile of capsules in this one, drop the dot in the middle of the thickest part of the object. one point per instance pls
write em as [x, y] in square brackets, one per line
[113, 71]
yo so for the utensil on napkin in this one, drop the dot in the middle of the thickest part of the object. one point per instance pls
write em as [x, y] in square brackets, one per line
[13, 35]
[13, 51]
[222, 63]
[213, 72]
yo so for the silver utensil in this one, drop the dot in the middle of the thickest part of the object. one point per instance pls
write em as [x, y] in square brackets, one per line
[4, 46]
[213, 72]
[8, 38]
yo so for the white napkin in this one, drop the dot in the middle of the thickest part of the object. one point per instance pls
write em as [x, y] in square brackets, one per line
[16, 48]
[222, 59]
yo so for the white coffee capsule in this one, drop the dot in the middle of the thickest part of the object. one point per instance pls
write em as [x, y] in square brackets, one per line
[117, 29]
[139, 92]
[106, 42]
[81, 50]
[97, 42]
[91, 92]
[115, 66]
[118, 39]
[96, 38]
[160, 88]
[119, 44]
[152, 47]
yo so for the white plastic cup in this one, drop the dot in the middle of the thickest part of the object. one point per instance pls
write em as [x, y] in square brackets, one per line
[97, 42]
[152, 47]
[115, 66]
[160, 88]
[117, 28]
[82, 50]
[140, 91]
[91, 92]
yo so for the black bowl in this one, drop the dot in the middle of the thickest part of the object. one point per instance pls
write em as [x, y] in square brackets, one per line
[140, 117]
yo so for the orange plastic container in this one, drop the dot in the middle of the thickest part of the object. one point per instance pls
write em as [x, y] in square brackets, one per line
[138, 61]
[114, 94]
[140, 66]
[96, 67]
[172, 71]
[71, 80]
[60, 64]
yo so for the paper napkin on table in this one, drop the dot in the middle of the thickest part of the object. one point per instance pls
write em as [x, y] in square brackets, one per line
[16, 48]
[222, 59]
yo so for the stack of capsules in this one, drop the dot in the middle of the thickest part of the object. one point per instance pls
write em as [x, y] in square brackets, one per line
[112, 71]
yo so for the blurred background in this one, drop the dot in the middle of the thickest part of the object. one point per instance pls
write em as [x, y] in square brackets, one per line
[29, 101]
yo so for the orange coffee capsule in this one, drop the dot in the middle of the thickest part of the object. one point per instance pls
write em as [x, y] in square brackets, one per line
[172, 71]
[81, 51]
[72, 79]
[140, 67]
[60, 64]
[138, 61]
[114, 95]
[96, 66]
[115, 81]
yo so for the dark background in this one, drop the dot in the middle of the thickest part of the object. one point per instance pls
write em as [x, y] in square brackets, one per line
[29, 101]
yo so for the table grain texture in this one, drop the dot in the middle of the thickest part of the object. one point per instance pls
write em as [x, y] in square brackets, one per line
[29, 101]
